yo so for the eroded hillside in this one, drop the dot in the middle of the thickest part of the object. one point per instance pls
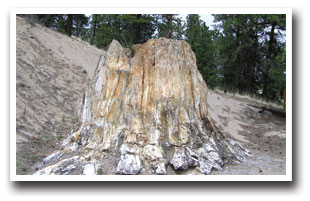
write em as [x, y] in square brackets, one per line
[52, 71]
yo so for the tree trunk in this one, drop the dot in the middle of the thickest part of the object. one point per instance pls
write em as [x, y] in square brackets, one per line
[69, 24]
[268, 64]
[138, 29]
[78, 29]
[284, 99]
[94, 29]
[169, 18]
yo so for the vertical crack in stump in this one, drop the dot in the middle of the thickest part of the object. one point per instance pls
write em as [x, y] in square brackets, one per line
[142, 87]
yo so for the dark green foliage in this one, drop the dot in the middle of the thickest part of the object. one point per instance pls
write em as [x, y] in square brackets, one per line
[79, 25]
[200, 37]
[251, 54]
[128, 29]
[169, 26]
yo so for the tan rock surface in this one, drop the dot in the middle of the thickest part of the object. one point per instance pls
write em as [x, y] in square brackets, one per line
[144, 114]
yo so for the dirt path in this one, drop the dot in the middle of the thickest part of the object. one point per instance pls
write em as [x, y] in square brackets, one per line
[263, 133]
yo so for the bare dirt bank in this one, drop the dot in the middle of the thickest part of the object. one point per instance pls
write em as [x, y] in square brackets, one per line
[262, 132]
[52, 71]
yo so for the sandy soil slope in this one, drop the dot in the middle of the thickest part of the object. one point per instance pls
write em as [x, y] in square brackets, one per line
[52, 72]
[263, 133]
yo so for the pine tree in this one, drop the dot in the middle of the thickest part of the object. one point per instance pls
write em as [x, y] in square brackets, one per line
[69, 24]
[275, 23]
[199, 37]
[248, 50]
[80, 21]
[169, 26]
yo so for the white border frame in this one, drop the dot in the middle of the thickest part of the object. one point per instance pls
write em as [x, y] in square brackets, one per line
[157, 10]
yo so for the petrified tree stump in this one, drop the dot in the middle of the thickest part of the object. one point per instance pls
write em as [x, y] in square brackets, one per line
[142, 114]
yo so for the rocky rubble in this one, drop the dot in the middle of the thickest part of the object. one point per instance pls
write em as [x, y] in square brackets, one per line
[141, 115]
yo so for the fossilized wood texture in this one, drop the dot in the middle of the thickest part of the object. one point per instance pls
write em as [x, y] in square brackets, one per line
[142, 114]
